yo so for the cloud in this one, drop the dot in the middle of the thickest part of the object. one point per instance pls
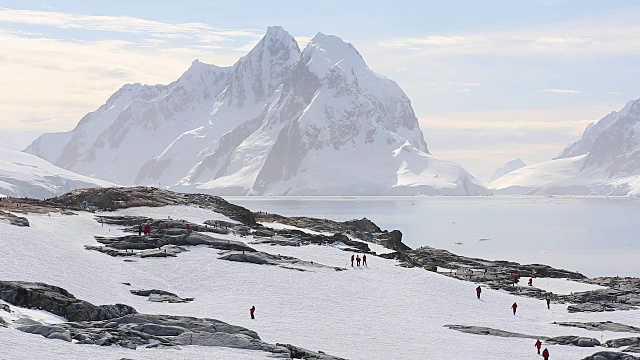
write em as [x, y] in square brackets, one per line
[33, 121]
[124, 24]
[561, 91]
[608, 34]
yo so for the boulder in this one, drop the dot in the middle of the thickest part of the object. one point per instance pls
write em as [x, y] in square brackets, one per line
[58, 301]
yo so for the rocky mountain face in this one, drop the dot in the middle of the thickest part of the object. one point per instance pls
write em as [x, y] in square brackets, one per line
[281, 121]
[605, 161]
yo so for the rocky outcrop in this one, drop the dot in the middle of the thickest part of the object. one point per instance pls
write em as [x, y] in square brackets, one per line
[262, 258]
[300, 353]
[574, 340]
[602, 326]
[90, 325]
[363, 229]
[13, 219]
[620, 294]
[155, 295]
[58, 301]
[109, 199]
[610, 355]
[162, 243]
[480, 330]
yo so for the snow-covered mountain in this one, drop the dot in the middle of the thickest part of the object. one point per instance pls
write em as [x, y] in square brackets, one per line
[281, 121]
[23, 175]
[605, 161]
[508, 167]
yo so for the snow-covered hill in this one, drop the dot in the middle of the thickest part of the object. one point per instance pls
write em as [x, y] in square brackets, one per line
[23, 175]
[508, 167]
[382, 311]
[605, 161]
[281, 121]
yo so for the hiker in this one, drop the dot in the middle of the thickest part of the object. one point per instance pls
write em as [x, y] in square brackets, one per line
[538, 346]
[352, 258]
[188, 228]
[478, 291]
[545, 354]
[251, 311]
[514, 307]
[139, 229]
[530, 281]
[358, 260]
[364, 260]
[516, 279]
[548, 299]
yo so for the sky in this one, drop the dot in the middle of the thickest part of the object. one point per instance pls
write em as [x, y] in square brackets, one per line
[489, 80]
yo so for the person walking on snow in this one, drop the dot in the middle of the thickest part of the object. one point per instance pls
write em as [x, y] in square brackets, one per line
[188, 228]
[358, 260]
[514, 307]
[530, 281]
[538, 346]
[545, 354]
[478, 291]
[352, 258]
[548, 299]
[364, 260]
[139, 229]
[251, 311]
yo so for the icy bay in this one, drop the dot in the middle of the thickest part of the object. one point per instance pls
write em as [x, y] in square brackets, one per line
[595, 236]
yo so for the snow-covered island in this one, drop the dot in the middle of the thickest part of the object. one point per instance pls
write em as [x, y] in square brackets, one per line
[143, 273]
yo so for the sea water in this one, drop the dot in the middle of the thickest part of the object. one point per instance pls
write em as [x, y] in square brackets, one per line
[594, 236]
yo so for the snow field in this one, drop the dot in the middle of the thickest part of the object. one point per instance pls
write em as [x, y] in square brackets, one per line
[380, 312]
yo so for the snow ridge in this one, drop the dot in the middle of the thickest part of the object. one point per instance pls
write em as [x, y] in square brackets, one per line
[605, 161]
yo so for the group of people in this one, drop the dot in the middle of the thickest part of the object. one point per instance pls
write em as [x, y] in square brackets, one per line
[514, 307]
[358, 259]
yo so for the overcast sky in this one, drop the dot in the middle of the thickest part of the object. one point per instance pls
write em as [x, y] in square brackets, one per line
[489, 80]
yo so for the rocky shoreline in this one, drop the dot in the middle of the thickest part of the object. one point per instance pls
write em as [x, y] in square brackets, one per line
[122, 325]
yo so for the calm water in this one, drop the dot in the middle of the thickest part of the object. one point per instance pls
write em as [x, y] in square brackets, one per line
[595, 236]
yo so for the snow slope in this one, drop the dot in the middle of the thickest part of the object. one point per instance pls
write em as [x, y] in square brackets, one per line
[510, 166]
[609, 153]
[25, 175]
[280, 121]
[530, 178]
[383, 311]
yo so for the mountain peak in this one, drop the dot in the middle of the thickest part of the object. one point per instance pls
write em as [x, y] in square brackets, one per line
[326, 51]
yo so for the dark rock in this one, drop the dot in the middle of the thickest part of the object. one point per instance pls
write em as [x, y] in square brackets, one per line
[262, 258]
[479, 330]
[109, 199]
[574, 340]
[58, 301]
[162, 243]
[2, 322]
[300, 353]
[609, 355]
[602, 326]
[363, 229]
[13, 219]
[5, 307]
[161, 296]
[618, 343]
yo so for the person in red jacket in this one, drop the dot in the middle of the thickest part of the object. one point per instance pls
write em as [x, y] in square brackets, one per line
[251, 311]
[478, 291]
[352, 258]
[545, 354]
[538, 346]
[188, 228]
[514, 307]
[530, 281]
[358, 260]
[364, 260]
